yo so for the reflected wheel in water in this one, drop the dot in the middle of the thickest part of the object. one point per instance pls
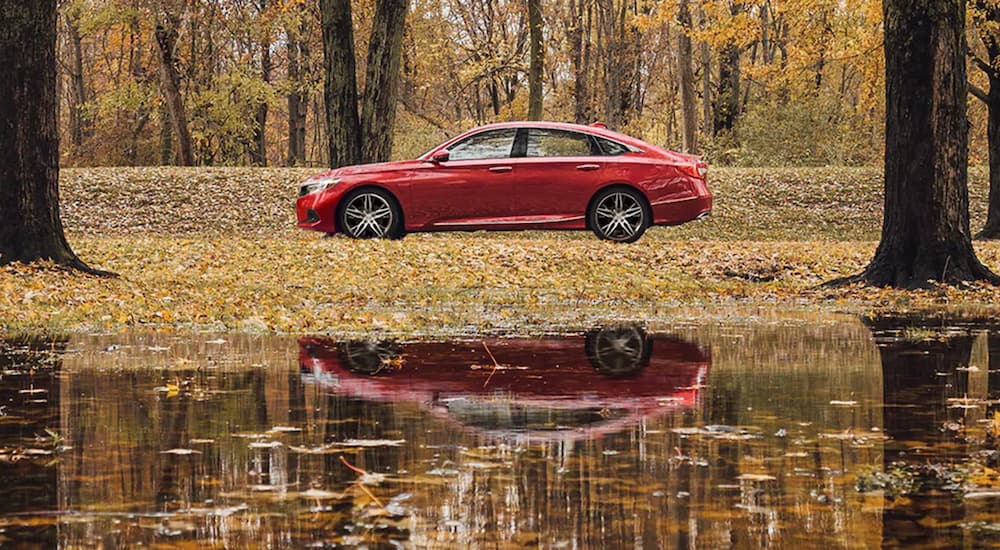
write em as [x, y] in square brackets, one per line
[619, 351]
[366, 357]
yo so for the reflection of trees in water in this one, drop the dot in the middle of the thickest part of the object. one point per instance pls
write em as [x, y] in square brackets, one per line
[924, 364]
[644, 483]
[29, 399]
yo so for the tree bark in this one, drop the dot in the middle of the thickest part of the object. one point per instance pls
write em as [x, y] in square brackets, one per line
[578, 58]
[685, 77]
[79, 126]
[29, 139]
[991, 230]
[536, 62]
[341, 90]
[298, 104]
[166, 40]
[166, 137]
[258, 152]
[925, 232]
[727, 99]
[378, 111]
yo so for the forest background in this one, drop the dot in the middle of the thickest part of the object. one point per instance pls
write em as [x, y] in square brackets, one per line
[769, 82]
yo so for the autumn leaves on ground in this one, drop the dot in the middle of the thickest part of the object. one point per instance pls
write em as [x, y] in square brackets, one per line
[216, 249]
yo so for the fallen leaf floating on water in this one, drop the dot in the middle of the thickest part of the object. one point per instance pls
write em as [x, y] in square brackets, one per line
[370, 443]
[284, 429]
[319, 494]
[265, 444]
[756, 477]
[180, 452]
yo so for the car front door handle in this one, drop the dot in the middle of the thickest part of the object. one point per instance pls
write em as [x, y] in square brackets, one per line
[587, 167]
[501, 169]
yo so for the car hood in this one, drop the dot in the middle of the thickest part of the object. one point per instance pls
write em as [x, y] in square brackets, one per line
[375, 168]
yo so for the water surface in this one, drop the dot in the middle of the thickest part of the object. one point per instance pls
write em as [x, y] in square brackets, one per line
[848, 434]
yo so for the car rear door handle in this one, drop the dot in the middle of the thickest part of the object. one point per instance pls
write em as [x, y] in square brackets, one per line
[501, 169]
[587, 167]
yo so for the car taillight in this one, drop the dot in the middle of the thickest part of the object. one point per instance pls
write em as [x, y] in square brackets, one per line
[698, 170]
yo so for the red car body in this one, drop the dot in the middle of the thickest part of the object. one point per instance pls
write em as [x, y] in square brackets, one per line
[525, 388]
[517, 191]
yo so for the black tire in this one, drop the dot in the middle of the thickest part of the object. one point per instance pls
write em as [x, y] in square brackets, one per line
[619, 214]
[620, 351]
[360, 215]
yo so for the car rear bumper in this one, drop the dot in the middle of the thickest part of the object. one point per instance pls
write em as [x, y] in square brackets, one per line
[680, 210]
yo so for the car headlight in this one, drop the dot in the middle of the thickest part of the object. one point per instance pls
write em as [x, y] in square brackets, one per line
[315, 186]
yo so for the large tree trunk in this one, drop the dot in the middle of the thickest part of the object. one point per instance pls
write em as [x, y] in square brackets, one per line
[29, 140]
[991, 230]
[378, 111]
[537, 54]
[258, 151]
[166, 41]
[166, 136]
[685, 77]
[925, 232]
[79, 125]
[298, 103]
[727, 99]
[341, 89]
[581, 111]
[990, 39]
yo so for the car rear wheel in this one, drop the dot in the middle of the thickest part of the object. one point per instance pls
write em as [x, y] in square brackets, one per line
[370, 214]
[619, 214]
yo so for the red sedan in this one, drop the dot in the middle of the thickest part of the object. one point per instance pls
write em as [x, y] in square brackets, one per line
[510, 176]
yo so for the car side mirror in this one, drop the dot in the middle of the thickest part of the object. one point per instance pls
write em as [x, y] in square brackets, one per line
[441, 156]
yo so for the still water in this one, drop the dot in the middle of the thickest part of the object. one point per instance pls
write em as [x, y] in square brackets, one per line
[844, 434]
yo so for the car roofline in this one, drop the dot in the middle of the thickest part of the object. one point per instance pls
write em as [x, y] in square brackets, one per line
[581, 128]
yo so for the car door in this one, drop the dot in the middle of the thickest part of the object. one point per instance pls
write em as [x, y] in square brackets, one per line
[473, 186]
[557, 174]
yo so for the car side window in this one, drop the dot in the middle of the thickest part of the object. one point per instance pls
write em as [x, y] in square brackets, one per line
[611, 148]
[549, 142]
[492, 144]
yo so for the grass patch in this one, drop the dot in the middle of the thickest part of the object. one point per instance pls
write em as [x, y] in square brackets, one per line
[214, 249]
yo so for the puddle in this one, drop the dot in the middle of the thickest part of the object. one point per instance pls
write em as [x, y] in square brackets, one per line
[850, 434]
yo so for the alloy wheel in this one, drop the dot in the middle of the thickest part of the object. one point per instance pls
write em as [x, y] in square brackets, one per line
[368, 215]
[619, 216]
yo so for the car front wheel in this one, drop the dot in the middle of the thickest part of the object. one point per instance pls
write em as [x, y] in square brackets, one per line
[370, 214]
[619, 214]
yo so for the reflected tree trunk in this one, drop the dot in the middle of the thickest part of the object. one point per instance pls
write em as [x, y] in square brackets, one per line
[918, 378]
[30, 485]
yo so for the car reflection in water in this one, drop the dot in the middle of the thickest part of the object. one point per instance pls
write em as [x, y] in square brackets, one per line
[521, 389]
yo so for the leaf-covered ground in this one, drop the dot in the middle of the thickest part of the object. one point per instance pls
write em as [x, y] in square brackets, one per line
[216, 249]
